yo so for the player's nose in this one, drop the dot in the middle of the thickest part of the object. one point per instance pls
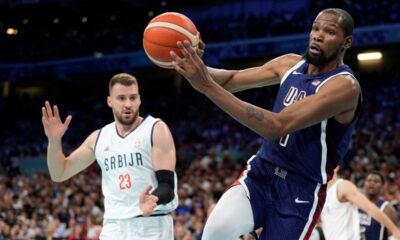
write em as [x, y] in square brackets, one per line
[317, 36]
[128, 104]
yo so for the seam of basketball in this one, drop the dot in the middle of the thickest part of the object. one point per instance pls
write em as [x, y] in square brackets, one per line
[159, 44]
[163, 24]
[166, 64]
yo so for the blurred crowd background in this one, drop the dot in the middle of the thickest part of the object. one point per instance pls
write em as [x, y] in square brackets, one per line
[212, 148]
[117, 27]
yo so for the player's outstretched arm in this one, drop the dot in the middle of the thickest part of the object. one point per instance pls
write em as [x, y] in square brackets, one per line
[239, 80]
[61, 167]
[255, 77]
[339, 96]
[347, 191]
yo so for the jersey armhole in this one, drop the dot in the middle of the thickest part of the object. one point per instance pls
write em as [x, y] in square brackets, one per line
[152, 130]
[329, 78]
[291, 70]
[97, 139]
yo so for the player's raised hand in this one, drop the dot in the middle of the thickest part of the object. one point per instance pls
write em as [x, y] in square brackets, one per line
[147, 202]
[192, 67]
[396, 234]
[54, 128]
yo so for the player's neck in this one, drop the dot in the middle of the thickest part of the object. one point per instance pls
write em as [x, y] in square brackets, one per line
[124, 129]
[373, 198]
[312, 69]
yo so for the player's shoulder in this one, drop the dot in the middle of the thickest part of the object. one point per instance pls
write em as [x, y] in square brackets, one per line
[346, 187]
[345, 182]
[346, 76]
[288, 60]
[388, 208]
[161, 134]
[282, 63]
[346, 82]
[91, 140]
[160, 124]
[94, 135]
[291, 59]
[95, 132]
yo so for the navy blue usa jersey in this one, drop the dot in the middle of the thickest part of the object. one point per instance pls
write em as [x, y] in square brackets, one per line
[315, 151]
[370, 229]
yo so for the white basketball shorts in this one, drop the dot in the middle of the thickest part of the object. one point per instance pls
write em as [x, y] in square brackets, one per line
[140, 228]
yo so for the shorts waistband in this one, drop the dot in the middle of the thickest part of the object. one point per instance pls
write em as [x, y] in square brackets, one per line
[154, 215]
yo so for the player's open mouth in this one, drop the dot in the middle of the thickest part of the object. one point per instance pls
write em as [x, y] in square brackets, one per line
[314, 49]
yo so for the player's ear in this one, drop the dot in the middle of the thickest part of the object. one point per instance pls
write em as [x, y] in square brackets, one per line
[109, 101]
[348, 41]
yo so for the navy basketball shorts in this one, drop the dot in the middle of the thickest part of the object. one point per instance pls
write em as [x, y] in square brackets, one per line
[285, 204]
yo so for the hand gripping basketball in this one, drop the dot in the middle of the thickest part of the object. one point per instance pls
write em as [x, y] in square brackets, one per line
[163, 32]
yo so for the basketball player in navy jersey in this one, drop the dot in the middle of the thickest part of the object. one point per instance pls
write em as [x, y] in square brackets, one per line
[370, 228]
[135, 154]
[308, 131]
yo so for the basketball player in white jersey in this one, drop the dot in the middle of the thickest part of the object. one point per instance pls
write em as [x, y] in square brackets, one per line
[135, 154]
[340, 219]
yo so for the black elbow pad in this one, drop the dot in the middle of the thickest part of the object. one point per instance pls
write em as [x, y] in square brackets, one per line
[166, 185]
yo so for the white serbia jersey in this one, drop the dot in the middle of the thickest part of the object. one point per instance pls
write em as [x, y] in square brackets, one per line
[127, 169]
[340, 220]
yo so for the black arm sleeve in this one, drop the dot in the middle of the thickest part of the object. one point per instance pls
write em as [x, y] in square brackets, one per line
[166, 185]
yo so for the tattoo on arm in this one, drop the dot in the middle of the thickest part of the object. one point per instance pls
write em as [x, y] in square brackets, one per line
[252, 112]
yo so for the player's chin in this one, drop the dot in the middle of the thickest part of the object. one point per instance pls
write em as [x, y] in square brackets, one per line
[127, 115]
[313, 56]
[127, 121]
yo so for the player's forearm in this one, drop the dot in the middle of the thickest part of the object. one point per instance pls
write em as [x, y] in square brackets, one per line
[222, 76]
[383, 219]
[55, 160]
[261, 121]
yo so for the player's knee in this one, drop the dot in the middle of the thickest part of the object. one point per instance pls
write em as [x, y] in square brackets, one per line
[218, 229]
[212, 232]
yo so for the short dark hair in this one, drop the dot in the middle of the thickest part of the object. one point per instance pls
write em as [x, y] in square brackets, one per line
[376, 173]
[345, 20]
[122, 78]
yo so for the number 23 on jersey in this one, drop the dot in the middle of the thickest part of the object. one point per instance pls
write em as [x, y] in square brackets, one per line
[124, 181]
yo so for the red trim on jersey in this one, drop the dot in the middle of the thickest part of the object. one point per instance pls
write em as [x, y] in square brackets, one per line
[236, 182]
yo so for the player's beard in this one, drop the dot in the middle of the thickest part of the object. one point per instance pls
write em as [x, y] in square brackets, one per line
[127, 121]
[321, 60]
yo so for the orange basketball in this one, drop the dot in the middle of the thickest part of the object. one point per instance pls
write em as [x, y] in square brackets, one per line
[163, 32]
